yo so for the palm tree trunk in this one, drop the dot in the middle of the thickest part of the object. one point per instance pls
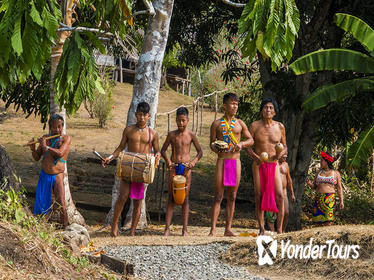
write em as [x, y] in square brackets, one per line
[147, 79]
[73, 215]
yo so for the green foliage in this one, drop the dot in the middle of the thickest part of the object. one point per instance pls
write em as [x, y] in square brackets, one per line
[195, 25]
[28, 29]
[358, 28]
[77, 76]
[358, 200]
[11, 209]
[333, 59]
[32, 96]
[358, 152]
[115, 12]
[172, 57]
[338, 60]
[338, 92]
[270, 27]
[103, 102]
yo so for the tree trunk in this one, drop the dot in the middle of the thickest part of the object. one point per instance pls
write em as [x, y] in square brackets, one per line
[7, 174]
[147, 79]
[73, 215]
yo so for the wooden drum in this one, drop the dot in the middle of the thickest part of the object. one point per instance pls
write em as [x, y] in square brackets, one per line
[179, 189]
[134, 167]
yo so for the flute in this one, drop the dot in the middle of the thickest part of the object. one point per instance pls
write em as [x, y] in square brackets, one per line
[37, 141]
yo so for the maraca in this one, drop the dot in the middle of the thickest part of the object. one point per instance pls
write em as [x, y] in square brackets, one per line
[264, 157]
[279, 147]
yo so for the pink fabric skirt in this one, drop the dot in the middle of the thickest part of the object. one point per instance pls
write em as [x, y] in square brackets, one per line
[229, 172]
[267, 181]
[136, 190]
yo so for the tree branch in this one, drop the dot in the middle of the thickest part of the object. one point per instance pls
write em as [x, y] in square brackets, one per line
[81, 29]
[149, 5]
[236, 5]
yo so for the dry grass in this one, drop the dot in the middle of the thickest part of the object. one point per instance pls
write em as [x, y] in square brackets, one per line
[23, 255]
[245, 254]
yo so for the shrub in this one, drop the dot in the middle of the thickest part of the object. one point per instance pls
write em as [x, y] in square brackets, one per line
[101, 105]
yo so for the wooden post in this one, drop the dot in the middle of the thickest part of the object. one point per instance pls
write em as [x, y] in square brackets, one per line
[216, 107]
[168, 123]
[120, 70]
[177, 87]
[201, 115]
[183, 87]
[189, 89]
[193, 115]
[197, 117]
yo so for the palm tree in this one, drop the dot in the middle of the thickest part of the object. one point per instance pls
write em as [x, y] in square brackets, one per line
[340, 60]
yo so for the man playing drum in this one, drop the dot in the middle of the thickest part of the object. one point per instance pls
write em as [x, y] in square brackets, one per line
[54, 153]
[180, 163]
[267, 134]
[138, 138]
[228, 169]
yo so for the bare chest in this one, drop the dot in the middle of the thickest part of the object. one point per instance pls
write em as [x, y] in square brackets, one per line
[139, 138]
[268, 135]
[182, 141]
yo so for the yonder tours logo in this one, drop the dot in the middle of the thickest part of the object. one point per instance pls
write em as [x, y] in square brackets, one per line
[267, 248]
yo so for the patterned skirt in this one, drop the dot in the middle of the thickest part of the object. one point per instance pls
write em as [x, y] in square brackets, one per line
[324, 205]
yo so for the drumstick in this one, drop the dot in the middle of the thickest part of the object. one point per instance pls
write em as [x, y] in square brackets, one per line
[97, 154]
[37, 141]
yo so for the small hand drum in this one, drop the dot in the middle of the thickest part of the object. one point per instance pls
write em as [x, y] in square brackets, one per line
[221, 145]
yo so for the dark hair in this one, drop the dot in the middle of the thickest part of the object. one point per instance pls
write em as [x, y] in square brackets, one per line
[271, 100]
[143, 107]
[182, 111]
[55, 117]
[230, 96]
[329, 164]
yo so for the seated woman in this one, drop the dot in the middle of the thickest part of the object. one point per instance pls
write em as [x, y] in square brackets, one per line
[324, 184]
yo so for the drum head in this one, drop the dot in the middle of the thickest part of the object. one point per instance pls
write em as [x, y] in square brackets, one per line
[179, 179]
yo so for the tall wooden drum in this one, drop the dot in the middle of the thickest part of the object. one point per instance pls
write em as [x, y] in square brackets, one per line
[179, 189]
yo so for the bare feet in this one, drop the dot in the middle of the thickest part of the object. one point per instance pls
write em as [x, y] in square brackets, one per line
[262, 232]
[114, 231]
[228, 232]
[167, 232]
[184, 233]
[212, 232]
[132, 233]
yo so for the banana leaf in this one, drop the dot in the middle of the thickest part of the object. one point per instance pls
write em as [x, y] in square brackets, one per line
[337, 92]
[333, 59]
[359, 151]
[358, 28]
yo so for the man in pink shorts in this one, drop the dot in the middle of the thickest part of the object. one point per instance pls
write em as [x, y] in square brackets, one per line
[139, 138]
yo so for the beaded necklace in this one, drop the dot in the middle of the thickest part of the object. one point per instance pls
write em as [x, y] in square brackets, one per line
[227, 131]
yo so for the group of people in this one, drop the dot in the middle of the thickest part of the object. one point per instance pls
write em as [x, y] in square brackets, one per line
[264, 141]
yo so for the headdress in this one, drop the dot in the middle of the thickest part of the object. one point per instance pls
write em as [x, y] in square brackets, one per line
[327, 157]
